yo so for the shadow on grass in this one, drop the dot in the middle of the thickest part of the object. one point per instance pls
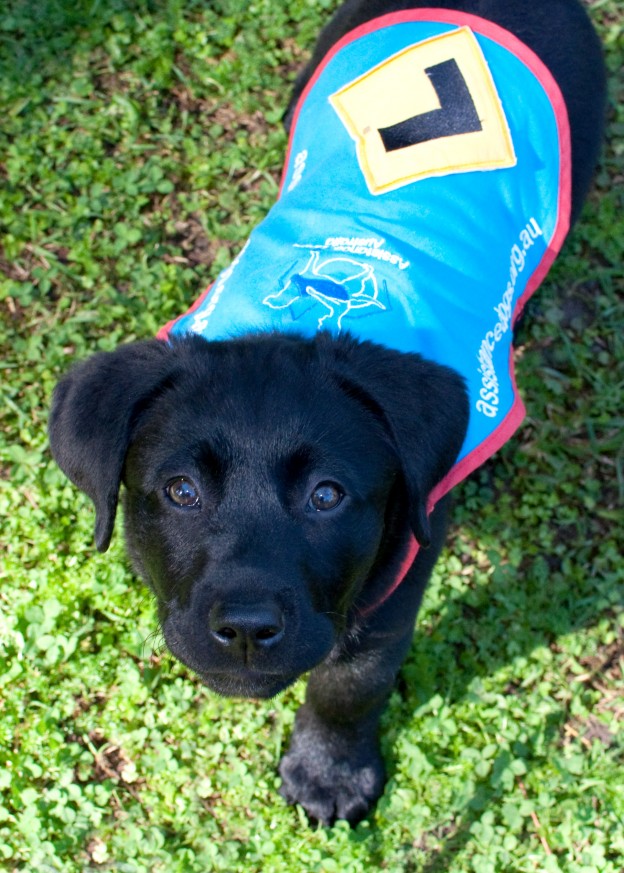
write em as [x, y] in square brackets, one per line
[565, 581]
[485, 795]
[564, 584]
[39, 38]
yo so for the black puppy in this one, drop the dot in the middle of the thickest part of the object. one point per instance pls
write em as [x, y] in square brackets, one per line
[279, 480]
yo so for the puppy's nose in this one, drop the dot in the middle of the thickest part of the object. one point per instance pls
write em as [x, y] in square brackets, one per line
[244, 627]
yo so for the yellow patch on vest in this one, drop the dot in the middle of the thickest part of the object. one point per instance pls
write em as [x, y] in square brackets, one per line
[429, 110]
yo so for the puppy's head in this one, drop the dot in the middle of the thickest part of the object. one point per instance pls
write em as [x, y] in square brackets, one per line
[268, 482]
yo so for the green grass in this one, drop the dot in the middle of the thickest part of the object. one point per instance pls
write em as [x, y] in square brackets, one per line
[140, 142]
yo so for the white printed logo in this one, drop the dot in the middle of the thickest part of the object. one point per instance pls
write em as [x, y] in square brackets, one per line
[343, 287]
[488, 400]
[300, 165]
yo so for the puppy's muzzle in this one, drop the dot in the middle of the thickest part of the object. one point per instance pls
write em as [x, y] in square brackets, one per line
[244, 629]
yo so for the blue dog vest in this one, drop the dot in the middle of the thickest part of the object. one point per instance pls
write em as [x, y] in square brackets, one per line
[425, 194]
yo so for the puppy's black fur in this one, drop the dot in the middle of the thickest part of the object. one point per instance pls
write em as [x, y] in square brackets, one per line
[272, 483]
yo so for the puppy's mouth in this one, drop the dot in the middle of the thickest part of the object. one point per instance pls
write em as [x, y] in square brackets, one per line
[247, 683]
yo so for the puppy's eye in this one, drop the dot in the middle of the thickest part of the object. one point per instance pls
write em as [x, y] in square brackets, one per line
[325, 496]
[182, 492]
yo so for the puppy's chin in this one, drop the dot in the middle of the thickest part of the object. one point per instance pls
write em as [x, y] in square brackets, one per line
[247, 684]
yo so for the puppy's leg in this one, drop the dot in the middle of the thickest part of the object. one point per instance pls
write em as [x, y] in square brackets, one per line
[333, 767]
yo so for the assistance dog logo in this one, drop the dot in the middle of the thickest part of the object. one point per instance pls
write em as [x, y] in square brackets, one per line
[335, 288]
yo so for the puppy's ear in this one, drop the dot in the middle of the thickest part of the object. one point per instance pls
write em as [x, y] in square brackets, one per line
[93, 411]
[422, 405]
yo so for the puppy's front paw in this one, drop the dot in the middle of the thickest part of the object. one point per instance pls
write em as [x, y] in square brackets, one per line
[330, 776]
